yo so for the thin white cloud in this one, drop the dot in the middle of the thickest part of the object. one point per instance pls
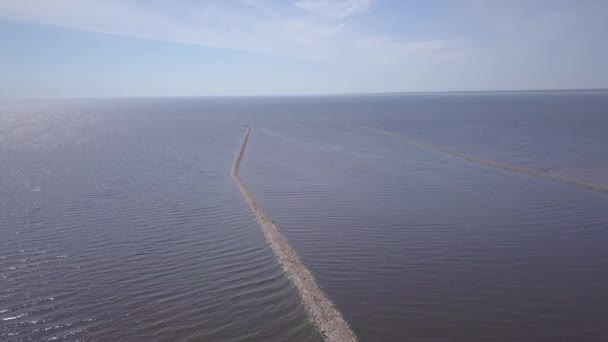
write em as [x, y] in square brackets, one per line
[334, 8]
[305, 29]
[263, 6]
[249, 25]
[385, 45]
[310, 29]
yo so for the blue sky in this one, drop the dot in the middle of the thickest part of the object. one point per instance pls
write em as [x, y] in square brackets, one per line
[90, 48]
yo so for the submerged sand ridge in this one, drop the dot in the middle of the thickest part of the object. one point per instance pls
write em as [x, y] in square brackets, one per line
[535, 173]
[321, 310]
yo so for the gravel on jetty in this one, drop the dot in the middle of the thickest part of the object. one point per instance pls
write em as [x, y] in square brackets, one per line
[321, 310]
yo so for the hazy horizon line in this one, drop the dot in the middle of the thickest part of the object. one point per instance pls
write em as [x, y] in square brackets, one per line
[309, 94]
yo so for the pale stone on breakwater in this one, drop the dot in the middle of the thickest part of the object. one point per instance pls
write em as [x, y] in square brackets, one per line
[321, 310]
[495, 164]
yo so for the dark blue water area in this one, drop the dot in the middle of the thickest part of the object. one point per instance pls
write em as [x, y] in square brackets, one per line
[121, 222]
[120, 219]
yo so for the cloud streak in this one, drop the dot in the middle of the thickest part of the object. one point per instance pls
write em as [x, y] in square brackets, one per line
[252, 25]
[309, 29]
[333, 8]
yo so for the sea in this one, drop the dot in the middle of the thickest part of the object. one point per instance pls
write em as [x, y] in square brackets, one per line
[119, 220]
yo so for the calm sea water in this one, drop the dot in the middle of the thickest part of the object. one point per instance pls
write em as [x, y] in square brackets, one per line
[119, 219]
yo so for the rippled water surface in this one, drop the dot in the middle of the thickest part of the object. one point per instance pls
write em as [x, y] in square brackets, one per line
[119, 219]
[121, 222]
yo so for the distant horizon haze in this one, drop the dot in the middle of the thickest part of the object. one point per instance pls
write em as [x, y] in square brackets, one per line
[311, 95]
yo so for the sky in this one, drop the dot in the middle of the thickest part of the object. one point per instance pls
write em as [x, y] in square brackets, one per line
[115, 48]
